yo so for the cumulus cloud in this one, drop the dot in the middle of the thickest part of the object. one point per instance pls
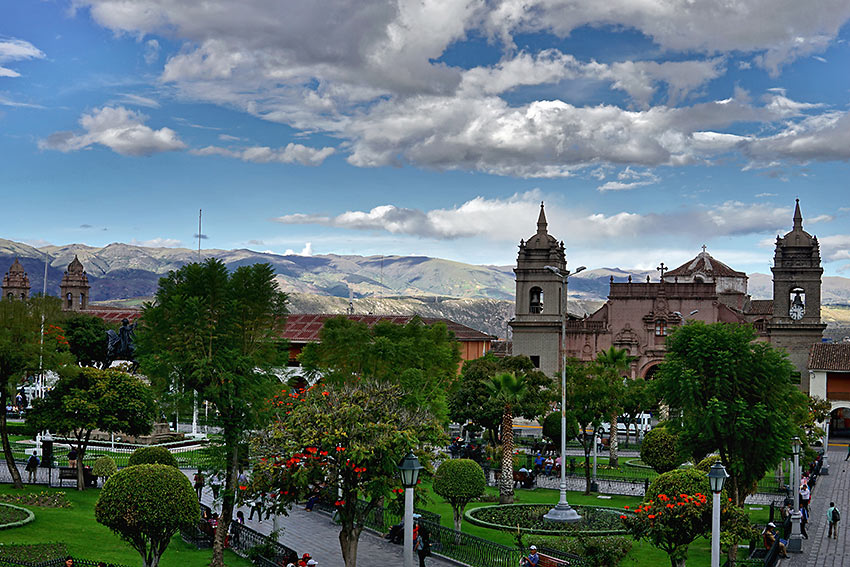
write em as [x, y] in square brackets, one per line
[16, 50]
[119, 129]
[629, 179]
[158, 242]
[306, 251]
[292, 153]
[151, 53]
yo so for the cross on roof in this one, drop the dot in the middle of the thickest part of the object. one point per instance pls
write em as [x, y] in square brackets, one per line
[703, 248]
[662, 268]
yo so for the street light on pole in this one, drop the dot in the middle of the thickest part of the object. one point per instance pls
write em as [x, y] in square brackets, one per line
[716, 479]
[409, 469]
[795, 542]
[563, 512]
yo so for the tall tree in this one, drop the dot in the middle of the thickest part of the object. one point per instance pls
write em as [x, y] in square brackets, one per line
[85, 399]
[615, 363]
[351, 436]
[470, 400]
[637, 399]
[509, 390]
[87, 341]
[217, 333]
[24, 351]
[730, 389]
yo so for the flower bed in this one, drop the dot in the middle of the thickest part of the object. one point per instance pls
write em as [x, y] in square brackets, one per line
[34, 552]
[42, 499]
[528, 518]
[14, 516]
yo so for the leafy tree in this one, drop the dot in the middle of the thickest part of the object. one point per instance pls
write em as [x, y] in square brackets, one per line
[422, 358]
[152, 456]
[146, 505]
[818, 411]
[351, 436]
[217, 333]
[660, 450]
[87, 339]
[589, 395]
[637, 398]
[21, 349]
[458, 482]
[85, 399]
[614, 363]
[104, 467]
[471, 400]
[509, 390]
[730, 389]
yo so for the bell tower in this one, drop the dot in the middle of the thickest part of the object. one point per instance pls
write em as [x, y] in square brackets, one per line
[16, 283]
[75, 287]
[797, 273]
[537, 325]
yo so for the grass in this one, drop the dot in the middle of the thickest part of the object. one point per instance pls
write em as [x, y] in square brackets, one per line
[85, 538]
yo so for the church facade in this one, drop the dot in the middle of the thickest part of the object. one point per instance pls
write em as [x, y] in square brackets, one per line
[638, 315]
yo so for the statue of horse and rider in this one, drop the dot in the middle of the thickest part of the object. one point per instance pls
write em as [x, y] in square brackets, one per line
[120, 345]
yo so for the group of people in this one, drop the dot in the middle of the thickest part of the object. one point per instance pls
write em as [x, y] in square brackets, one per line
[547, 465]
[304, 561]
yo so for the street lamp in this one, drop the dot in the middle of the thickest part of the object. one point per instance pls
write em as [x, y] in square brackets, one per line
[409, 469]
[716, 479]
[563, 512]
[795, 542]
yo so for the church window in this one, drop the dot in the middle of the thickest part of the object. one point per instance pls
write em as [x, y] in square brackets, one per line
[535, 304]
[70, 299]
[661, 328]
[9, 296]
[535, 360]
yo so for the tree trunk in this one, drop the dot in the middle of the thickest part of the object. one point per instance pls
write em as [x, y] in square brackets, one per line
[458, 517]
[348, 539]
[506, 481]
[82, 445]
[677, 562]
[613, 443]
[228, 499]
[7, 447]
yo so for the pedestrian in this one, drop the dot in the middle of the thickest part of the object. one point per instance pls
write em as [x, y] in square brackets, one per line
[804, 521]
[215, 485]
[199, 483]
[69, 561]
[848, 452]
[833, 516]
[72, 458]
[532, 559]
[32, 467]
[422, 545]
[257, 506]
[805, 495]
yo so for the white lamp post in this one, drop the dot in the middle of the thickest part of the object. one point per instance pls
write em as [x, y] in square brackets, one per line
[716, 479]
[563, 512]
[795, 542]
[409, 468]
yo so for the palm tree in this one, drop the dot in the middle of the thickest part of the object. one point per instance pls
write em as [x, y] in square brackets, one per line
[509, 389]
[614, 363]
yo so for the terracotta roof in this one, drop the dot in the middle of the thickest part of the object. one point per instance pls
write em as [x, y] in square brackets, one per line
[705, 264]
[760, 307]
[305, 327]
[113, 314]
[830, 356]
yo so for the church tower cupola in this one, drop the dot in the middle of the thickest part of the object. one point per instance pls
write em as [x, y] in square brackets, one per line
[16, 283]
[75, 287]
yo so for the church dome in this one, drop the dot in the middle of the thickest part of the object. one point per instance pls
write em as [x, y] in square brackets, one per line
[703, 266]
[16, 268]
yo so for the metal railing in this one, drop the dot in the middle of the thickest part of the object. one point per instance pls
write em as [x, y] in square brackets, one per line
[57, 562]
[469, 549]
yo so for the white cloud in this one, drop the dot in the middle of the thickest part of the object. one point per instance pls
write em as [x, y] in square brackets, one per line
[121, 130]
[138, 100]
[292, 153]
[16, 50]
[229, 138]
[158, 242]
[765, 195]
[306, 251]
[151, 51]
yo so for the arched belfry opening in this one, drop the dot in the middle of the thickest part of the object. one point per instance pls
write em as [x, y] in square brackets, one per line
[535, 301]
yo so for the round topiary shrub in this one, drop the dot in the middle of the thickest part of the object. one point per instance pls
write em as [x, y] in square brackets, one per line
[104, 467]
[152, 456]
[688, 481]
[146, 505]
[459, 481]
[660, 450]
[705, 464]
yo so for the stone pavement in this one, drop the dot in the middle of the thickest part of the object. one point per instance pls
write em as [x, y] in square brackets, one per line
[818, 551]
[316, 534]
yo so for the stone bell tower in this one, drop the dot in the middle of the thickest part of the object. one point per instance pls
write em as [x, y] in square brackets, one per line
[537, 325]
[16, 283]
[75, 287]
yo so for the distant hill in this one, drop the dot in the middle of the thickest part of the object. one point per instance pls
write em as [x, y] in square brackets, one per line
[481, 297]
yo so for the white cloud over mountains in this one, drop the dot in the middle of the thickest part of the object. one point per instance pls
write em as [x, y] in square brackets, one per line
[372, 76]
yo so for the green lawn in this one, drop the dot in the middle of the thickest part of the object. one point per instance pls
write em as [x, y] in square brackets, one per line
[85, 538]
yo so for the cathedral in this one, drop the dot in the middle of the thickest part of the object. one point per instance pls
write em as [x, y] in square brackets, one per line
[639, 314]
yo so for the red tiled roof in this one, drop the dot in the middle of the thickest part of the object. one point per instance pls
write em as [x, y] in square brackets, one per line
[760, 307]
[113, 314]
[830, 356]
[305, 327]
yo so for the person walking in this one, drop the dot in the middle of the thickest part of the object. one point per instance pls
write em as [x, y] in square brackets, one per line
[804, 522]
[32, 467]
[805, 495]
[833, 516]
[422, 545]
[848, 452]
[199, 483]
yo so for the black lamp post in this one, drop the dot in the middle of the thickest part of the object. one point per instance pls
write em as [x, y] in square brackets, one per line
[795, 542]
[716, 479]
[409, 469]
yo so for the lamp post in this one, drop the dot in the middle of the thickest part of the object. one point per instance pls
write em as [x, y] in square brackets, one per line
[716, 479]
[563, 512]
[409, 469]
[824, 468]
[795, 542]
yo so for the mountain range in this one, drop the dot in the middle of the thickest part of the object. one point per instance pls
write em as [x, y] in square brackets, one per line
[480, 296]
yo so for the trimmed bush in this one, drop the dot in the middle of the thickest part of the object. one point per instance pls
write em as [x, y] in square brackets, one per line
[705, 464]
[459, 481]
[146, 505]
[680, 481]
[660, 450]
[104, 467]
[152, 456]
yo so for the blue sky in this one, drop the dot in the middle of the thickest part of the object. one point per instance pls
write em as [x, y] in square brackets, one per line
[649, 127]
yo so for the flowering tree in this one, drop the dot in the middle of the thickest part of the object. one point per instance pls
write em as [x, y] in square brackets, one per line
[350, 437]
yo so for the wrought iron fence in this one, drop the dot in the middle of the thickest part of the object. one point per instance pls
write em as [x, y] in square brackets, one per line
[57, 562]
[469, 549]
[569, 559]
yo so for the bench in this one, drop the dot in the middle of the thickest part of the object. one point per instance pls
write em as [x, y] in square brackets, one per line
[70, 473]
[549, 561]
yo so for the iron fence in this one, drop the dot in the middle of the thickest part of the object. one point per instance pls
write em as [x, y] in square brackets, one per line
[569, 559]
[469, 549]
[57, 562]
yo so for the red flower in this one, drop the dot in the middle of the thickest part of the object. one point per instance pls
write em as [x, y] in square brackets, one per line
[326, 393]
[622, 517]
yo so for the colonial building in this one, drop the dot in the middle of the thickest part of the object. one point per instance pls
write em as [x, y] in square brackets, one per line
[16, 283]
[638, 315]
[829, 379]
[75, 287]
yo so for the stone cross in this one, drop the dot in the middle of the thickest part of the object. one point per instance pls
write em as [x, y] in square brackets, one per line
[662, 268]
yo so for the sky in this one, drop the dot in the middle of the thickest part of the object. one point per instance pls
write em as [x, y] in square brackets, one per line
[429, 127]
